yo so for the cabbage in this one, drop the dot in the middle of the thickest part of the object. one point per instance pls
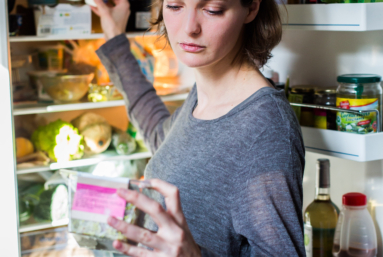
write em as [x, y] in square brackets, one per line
[60, 140]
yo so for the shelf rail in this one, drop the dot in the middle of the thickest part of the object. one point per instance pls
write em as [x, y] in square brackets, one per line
[331, 108]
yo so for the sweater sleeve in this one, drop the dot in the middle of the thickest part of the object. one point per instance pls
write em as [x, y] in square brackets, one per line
[267, 201]
[145, 108]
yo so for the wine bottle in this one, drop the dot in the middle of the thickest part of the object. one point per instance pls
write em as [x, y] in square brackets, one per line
[321, 216]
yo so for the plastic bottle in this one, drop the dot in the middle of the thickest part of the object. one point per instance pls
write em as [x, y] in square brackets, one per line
[355, 234]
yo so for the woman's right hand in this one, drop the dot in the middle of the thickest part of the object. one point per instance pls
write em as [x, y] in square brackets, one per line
[113, 19]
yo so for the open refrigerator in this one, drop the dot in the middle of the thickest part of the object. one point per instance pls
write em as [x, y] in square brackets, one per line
[319, 43]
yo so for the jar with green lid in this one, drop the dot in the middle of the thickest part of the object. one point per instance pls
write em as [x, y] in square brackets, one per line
[325, 119]
[359, 92]
[303, 94]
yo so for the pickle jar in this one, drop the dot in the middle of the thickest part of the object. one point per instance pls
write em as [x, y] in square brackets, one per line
[325, 119]
[359, 92]
[303, 94]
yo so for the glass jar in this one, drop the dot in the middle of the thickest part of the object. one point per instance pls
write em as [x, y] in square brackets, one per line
[325, 119]
[303, 94]
[102, 93]
[359, 92]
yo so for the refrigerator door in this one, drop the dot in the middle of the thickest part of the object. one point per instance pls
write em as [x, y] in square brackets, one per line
[9, 236]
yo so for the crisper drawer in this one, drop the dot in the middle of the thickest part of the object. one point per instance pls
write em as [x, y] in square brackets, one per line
[56, 242]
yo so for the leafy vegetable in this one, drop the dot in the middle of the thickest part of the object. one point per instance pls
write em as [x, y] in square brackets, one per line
[28, 198]
[53, 204]
[60, 140]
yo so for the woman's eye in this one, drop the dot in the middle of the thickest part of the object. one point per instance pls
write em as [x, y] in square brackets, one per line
[215, 12]
[173, 7]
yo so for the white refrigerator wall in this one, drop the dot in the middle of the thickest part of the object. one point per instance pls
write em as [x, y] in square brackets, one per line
[318, 57]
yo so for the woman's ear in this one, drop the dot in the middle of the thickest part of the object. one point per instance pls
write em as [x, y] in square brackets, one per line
[253, 11]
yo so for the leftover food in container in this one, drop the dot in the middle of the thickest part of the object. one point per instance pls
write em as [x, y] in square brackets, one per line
[61, 86]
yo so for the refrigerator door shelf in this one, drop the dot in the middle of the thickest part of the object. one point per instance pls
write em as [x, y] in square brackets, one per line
[344, 145]
[333, 17]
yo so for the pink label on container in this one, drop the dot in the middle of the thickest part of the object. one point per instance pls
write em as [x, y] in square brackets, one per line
[100, 200]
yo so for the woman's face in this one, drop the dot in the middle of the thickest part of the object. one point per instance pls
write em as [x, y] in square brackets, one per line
[203, 32]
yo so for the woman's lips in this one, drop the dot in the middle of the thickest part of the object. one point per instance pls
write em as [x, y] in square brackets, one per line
[191, 47]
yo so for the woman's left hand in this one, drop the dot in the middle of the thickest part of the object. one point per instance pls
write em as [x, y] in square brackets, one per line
[173, 237]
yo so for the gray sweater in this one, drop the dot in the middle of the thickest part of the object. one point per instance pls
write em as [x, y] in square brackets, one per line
[239, 176]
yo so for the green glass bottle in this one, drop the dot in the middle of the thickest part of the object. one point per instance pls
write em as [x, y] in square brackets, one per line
[321, 216]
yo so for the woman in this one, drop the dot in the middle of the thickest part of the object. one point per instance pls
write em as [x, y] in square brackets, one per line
[232, 155]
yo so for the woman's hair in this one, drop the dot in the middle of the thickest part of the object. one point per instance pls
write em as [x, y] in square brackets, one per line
[259, 37]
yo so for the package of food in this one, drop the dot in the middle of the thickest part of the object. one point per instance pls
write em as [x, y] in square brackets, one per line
[63, 19]
[92, 199]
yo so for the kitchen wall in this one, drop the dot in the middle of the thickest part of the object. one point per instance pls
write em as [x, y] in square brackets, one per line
[317, 57]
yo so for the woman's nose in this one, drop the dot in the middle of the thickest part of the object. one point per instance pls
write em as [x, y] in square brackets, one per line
[192, 25]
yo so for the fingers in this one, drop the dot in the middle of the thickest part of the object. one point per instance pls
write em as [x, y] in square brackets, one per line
[137, 234]
[172, 198]
[95, 10]
[147, 205]
[133, 251]
[121, 2]
[102, 8]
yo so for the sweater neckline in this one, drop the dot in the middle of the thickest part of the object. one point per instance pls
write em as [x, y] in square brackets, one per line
[257, 94]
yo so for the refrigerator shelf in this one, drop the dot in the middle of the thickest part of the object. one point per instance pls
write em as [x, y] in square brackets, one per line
[43, 225]
[333, 17]
[73, 37]
[46, 108]
[349, 146]
[106, 156]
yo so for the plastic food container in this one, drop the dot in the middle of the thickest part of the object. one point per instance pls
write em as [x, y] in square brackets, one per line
[359, 92]
[92, 199]
[355, 233]
[102, 93]
[53, 243]
[37, 241]
[61, 87]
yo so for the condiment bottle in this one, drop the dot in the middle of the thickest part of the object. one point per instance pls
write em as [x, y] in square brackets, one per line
[325, 119]
[140, 15]
[303, 94]
[355, 234]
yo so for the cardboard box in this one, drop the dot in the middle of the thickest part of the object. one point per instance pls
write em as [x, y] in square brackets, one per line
[63, 19]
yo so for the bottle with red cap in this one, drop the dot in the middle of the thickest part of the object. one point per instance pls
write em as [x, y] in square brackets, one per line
[355, 234]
